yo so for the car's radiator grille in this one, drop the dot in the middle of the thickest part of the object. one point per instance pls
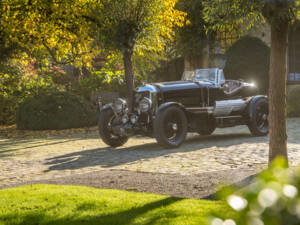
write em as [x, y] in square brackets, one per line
[140, 95]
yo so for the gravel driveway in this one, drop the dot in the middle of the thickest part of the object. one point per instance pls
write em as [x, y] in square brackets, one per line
[31, 159]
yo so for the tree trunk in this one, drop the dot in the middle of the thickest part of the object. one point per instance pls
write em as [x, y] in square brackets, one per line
[127, 57]
[277, 91]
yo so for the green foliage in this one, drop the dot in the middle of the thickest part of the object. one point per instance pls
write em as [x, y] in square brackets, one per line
[15, 86]
[55, 110]
[135, 26]
[79, 205]
[7, 49]
[293, 103]
[241, 15]
[58, 76]
[146, 63]
[54, 28]
[109, 78]
[102, 80]
[191, 38]
[249, 59]
[233, 15]
[273, 198]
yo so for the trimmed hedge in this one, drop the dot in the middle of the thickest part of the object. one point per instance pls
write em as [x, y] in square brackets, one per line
[54, 111]
[293, 103]
[249, 59]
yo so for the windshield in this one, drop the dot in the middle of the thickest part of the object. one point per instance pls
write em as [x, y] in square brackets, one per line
[188, 75]
[206, 75]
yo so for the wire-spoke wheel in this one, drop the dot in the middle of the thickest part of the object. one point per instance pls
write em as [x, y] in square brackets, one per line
[106, 120]
[259, 125]
[170, 127]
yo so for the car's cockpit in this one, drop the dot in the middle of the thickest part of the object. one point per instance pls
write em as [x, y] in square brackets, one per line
[215, 77]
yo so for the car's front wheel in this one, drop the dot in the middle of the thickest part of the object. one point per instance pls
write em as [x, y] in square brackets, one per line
[106, 120]
[258, 125]
[170, 127]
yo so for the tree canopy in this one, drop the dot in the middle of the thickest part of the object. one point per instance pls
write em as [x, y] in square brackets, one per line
[48, 27]
[191, 38]
[134, 26]
[139, 25]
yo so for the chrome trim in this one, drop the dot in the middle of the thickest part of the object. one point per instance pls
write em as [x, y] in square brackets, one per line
[123, 105]
[226, 107]
[149, 102]
[153, 95]
[229, 117]
[209, 110]
[148, 87]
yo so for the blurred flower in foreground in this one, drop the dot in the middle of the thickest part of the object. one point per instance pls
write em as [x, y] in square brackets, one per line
[272, 198]
[236, 202]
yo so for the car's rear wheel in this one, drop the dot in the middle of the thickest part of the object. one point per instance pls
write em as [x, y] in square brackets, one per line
[170, 127]
[106, 120]
[258, 125]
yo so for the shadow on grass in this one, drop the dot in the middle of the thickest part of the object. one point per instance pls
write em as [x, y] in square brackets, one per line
[44, 216]
[110, 157]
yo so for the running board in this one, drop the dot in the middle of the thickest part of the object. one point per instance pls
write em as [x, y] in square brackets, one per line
[229, 121]
[208, 110]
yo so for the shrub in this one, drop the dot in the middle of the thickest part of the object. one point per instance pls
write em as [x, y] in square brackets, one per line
[248, 59]
[15, 86]
[56, 110]
[293, 103]
[103, 80]
[273, 198]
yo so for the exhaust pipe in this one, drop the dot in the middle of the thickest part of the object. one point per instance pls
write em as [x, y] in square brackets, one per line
[225, 108]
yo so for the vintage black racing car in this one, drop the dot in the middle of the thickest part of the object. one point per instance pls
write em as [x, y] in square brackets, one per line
[201, 102]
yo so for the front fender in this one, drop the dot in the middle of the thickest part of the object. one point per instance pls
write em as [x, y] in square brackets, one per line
[168, 104]
[108, 106]
[251, 106]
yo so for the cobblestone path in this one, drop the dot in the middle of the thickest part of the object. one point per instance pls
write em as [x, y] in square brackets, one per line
[28, 159]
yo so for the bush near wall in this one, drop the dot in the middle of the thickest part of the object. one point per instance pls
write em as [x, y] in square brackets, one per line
[293, 103]
[54, 111]
[15, 86]
[102, 81]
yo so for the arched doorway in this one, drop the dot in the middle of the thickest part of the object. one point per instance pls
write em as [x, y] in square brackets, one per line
[294, 54]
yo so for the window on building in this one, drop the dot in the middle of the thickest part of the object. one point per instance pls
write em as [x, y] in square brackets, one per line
[294, 54]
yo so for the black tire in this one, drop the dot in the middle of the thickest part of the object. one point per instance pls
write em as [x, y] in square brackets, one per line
[170, 127]
[259, 125]
[105, 118]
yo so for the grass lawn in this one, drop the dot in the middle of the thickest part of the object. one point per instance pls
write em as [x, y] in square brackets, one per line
[50, 204]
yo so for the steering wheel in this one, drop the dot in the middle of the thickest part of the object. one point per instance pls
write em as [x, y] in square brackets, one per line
[230, 85]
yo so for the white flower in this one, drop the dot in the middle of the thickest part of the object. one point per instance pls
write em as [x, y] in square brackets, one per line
[267, 197]
[290, 191]
[229, 222]
[216, 221]
[236, 202]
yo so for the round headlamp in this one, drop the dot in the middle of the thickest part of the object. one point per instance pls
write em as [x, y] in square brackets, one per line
[134, 119]
[120, 105]
[125, 119]
[145, 105]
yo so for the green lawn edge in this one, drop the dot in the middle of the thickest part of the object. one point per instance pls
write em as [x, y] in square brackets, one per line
[72, 205]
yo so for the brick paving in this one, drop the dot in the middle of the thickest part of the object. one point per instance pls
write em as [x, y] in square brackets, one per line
[30, 159]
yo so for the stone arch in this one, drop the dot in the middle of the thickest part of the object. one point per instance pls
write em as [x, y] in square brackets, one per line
[248, 59]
